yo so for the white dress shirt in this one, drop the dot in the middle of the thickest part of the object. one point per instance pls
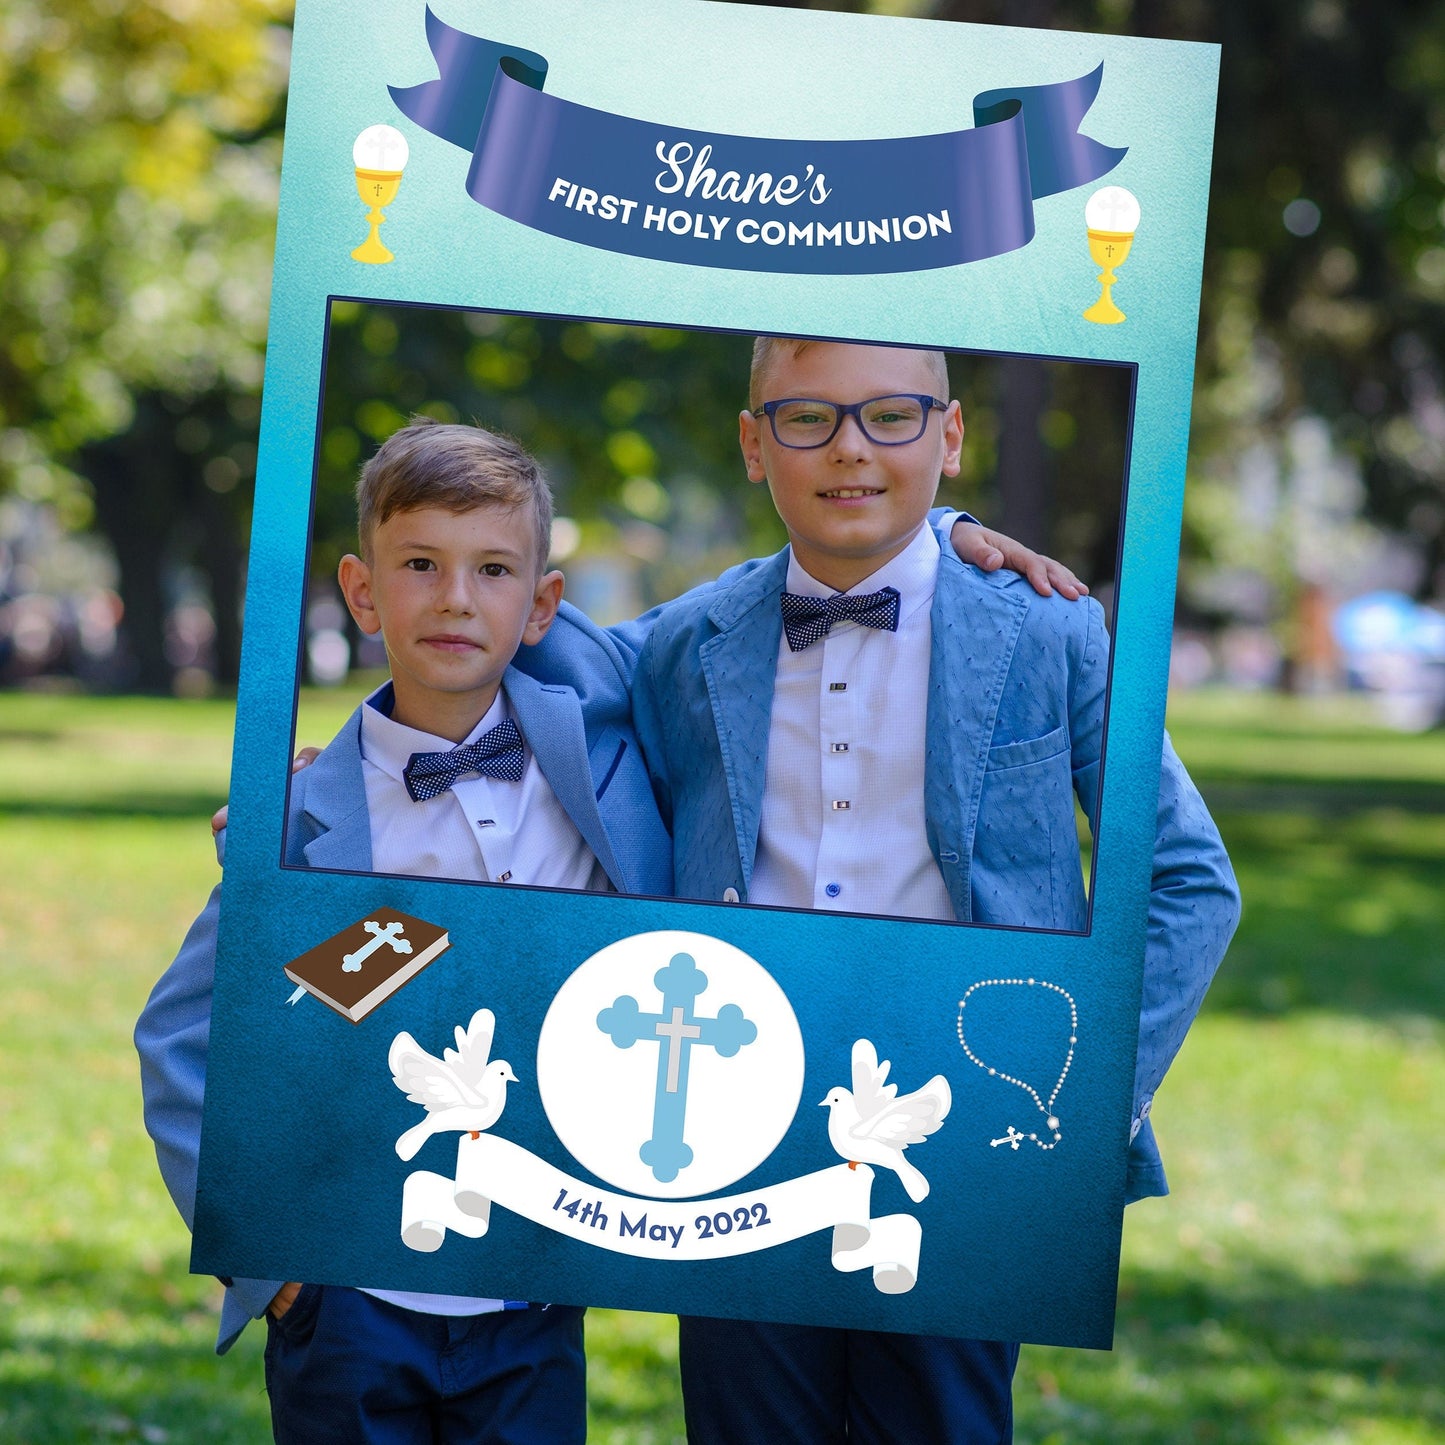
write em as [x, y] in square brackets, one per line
[842, 826]
[479, 830]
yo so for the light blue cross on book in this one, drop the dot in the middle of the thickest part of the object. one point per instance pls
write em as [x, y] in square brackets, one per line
[675, 1029]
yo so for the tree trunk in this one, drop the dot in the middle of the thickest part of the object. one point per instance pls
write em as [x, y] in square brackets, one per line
[222, 557]
[135, 506]
[157, 513]
[1025, 482]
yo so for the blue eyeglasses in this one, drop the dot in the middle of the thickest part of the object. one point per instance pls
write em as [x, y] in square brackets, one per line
[804, 423]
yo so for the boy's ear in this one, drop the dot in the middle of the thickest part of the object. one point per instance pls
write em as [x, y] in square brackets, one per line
[544, 607]
[354, 577]
[952, 439]
[750, 438]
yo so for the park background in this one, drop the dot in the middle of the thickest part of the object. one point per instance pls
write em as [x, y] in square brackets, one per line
[1293, 1288]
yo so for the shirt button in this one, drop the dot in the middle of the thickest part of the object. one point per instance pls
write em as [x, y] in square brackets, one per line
[833, 890]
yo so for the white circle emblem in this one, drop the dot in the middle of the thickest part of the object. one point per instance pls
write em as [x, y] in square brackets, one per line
[670, 1064]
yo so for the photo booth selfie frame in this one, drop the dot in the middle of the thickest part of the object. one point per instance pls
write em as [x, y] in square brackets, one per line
[653, 1140]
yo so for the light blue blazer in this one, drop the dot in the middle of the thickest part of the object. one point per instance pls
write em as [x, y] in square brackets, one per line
[1014, 731]
[583, 741]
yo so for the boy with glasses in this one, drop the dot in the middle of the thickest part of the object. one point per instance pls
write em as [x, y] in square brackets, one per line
[863, 724]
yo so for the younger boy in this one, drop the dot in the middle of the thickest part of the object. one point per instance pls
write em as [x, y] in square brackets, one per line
[459, 767]
[863, 724]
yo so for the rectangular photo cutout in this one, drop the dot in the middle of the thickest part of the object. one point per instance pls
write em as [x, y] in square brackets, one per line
[674, 458]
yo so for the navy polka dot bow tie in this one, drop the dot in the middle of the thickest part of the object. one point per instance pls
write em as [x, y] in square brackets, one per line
[807, 620]
[498, 753]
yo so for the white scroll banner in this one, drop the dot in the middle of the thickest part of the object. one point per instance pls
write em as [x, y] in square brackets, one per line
[490, 1168]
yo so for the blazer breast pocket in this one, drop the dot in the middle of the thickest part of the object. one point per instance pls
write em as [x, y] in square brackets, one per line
[1026, 850]
[1029, 750]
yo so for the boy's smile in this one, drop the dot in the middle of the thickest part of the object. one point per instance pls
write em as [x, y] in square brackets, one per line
[852, 504]
[453, 595]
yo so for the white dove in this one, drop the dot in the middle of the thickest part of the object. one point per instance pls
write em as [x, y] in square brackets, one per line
[871, 1125]
[460, 1091]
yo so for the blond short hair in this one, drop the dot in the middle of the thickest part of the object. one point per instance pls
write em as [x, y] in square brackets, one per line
[766, 348]
[457, 468]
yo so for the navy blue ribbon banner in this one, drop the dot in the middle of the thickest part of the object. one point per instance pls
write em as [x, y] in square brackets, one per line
[744, 202]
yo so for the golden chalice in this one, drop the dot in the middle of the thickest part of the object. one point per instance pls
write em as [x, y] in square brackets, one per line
[379, 155]
[1112, 217]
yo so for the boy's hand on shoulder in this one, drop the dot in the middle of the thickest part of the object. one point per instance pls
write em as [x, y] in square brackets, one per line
[303, 759]
[989, 550]
[285, 1298]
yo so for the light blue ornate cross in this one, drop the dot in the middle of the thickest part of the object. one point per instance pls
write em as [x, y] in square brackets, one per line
[675, 1029]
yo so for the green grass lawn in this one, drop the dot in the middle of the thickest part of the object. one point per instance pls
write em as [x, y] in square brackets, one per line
[1292, 1290]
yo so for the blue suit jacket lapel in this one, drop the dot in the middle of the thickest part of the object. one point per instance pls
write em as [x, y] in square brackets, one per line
[551, 721]
[333, 805]
[975, 627]
[740, 666]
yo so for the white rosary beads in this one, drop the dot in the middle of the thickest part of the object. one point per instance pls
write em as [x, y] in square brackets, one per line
[1014, 1137]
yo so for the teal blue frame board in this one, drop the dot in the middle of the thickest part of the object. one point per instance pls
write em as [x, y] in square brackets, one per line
[300, 1178]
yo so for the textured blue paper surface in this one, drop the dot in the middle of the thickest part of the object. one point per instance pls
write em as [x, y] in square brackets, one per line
[299, 1176]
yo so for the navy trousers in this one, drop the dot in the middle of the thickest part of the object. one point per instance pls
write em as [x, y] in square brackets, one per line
[745, 1383]
[343, 1368]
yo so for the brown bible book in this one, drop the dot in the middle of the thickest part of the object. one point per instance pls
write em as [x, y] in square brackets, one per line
[365, 964]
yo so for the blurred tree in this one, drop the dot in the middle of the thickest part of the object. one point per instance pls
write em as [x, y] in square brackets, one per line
[1324, 289]
[165, 492]
[1325, 276]
[139, 150]
[637, 427]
